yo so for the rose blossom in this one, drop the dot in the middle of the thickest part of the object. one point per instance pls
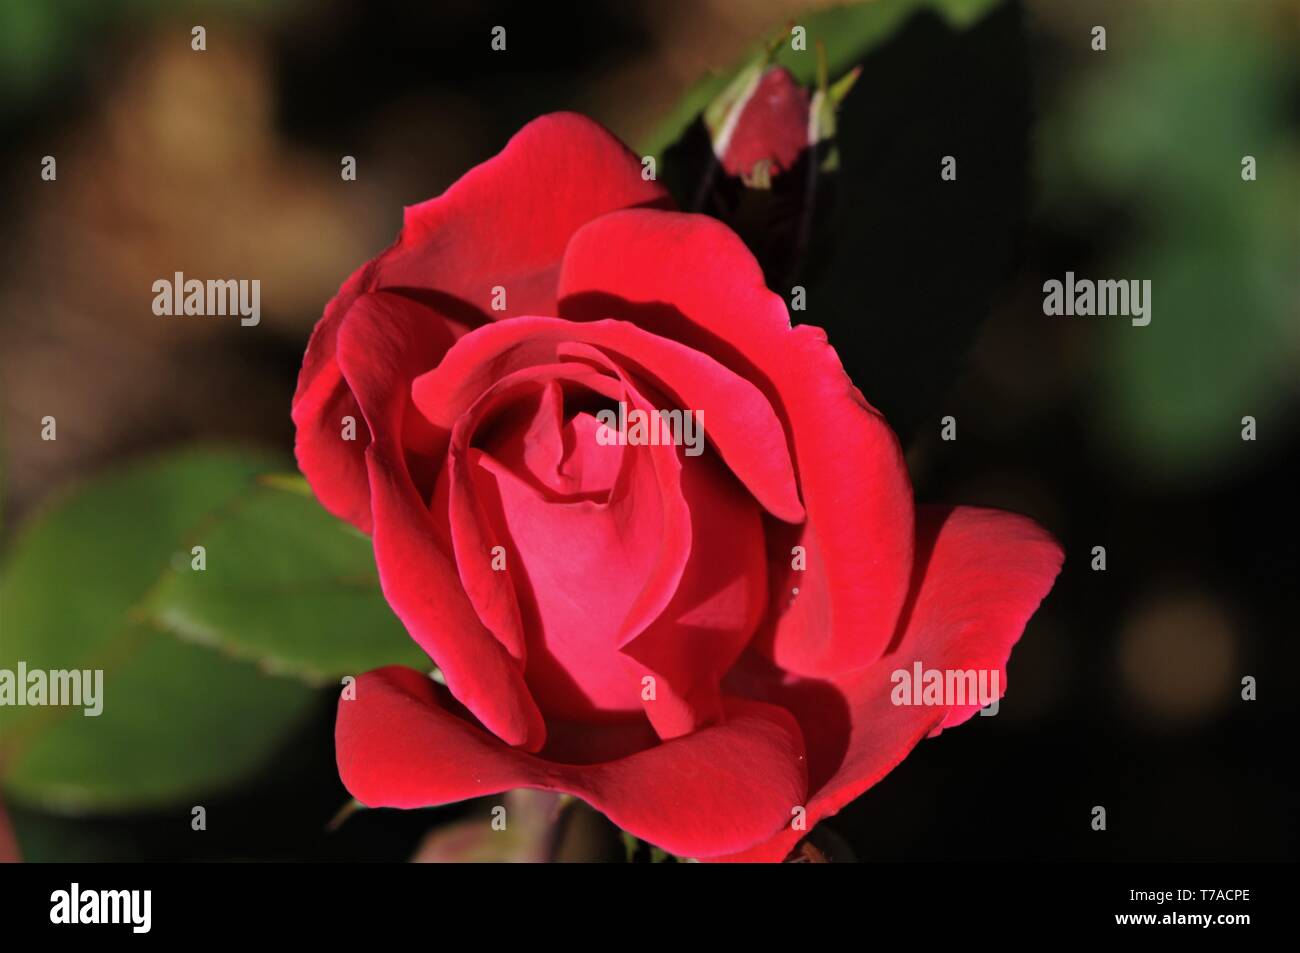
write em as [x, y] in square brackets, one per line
[619, 621]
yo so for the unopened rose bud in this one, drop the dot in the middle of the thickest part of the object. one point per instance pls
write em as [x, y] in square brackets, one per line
[762, 126]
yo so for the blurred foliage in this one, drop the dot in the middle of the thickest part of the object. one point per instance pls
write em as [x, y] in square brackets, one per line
[176, 719]
[41, 38]
[285, 586]
[1161, 133]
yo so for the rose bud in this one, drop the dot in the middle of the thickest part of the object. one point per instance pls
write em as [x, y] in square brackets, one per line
[771, 159]
[760, 125]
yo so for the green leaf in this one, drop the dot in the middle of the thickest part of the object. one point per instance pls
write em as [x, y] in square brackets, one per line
[289, 585]
[177, 720]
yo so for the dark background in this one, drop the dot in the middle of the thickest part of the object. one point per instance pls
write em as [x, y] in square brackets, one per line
[1125, 690]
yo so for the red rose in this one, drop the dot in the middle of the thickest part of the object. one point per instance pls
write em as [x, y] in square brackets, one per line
[620, 622]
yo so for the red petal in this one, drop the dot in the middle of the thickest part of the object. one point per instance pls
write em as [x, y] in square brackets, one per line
[980, 575]
[400, 743]
[385, 340]
[738, 420]
[506, 222]
[574, 668]
[558, 452]
[336, 468]
[584, 601]
[715, 609]
[472, 534]
[702, 622]
[689, 278]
